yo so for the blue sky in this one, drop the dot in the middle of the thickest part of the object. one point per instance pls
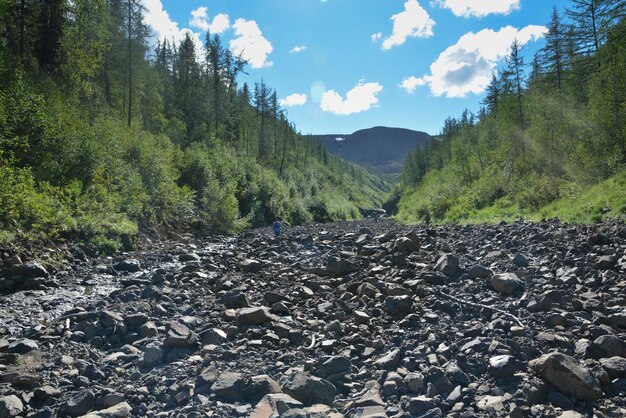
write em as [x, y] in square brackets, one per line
[344, 65]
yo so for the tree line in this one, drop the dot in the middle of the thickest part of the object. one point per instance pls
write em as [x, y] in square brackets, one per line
[543, 127]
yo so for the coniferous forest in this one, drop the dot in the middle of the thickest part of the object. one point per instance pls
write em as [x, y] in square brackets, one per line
[102, 135]
[549, 139]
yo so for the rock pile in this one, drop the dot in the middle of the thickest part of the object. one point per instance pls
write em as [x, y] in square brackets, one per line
[362, 319]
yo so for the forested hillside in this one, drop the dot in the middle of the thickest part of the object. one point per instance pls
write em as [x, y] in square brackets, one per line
[100, 135]
[549, 130]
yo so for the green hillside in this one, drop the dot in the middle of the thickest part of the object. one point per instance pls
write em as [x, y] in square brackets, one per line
[101, 137]
[549, 141]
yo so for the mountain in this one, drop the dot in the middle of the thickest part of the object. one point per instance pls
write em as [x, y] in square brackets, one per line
[381, 148]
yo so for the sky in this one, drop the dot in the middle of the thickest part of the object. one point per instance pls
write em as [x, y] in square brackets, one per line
[343, 65]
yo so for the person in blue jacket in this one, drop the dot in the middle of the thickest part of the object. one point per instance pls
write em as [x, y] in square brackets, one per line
[278, 227]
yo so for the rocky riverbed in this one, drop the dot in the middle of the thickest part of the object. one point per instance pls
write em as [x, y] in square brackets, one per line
[361, 319]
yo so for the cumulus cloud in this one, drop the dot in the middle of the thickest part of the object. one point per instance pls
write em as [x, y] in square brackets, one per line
[479, 8]
[376, 36]
[361, 98]
[294, 100]
[200, 20]
[413, 22]
[410, 84]
[250, 44]
[164, 27]
[466, 66]
[298, 48]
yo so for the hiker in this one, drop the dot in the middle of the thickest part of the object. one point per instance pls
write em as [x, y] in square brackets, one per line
[278, 227]
[427, 218]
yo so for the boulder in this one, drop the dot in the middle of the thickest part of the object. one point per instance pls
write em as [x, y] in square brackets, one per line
[251, 266]
[11, 406]
[564, 373]
[79, 403]
[447, 264]
[253, 316]
[130, 265]
[308, 389]
[120, 410]
[340, 267]
[178, 335]
[506, 283]
[614, 366]
[229, 386]
[30, 269]
[22, 346]
[398, 305]
[406, 245]
[274, 405]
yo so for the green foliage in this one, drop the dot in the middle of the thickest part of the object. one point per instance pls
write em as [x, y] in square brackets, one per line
[562, 129]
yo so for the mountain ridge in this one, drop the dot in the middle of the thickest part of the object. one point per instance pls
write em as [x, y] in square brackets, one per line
[382, 148]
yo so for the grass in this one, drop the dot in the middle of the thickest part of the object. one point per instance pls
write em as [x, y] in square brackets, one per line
[578, 204]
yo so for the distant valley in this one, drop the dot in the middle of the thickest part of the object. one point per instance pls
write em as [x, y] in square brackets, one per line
[381, 148]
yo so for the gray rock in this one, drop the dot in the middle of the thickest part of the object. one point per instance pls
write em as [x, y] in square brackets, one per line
[235, 299]
[149, 329]
[503, 365]
[568, 376]
[406, 245]
[30, 269]
[614, 366]
[110, 319]
[414, 382]
[479, 272]
[251, 266]
[120, 410]
[22, 346]
[309, 389]
[420, 405]
[398, 305]
[131, 265]
[261, 386]
[152, 354]
[46, 392]
[229, 386]
[178, 335]
[340, 267]
[80, 403]
[447, 264]
[506, 283]
[335, 365]
[390, 360]
[10, 406]
[274, 405]
[606, 262]
[253, 316]
[371, 397]
[607, 346]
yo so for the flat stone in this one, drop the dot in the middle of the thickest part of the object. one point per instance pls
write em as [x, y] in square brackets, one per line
[79, 403]
[253, 316]
[310, 389]
[229, 386]
[251, 266]
[568, 376]
[30, 269]
[274, 405]
[120, 410]
[614, 366]
[131, 265]
[178, 335]
[22, 346]
[110, 319]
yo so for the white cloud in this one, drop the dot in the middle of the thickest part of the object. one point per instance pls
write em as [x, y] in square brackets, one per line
[479, 8]
[414, 22]
[294, 100]
[361, 98]
[220, 24]
[298, 48]
[200, 20]
[250, 43]
[466, 66]
[410, 84]
[376, 36]
[164, 27]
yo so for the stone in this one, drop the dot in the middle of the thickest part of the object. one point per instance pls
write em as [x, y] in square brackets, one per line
[149, 329]
[136, 320]
[253, 316]
[361, 317]
[261, 386]
[235, 299]
[614, 366]
[110, 319]
[607, 346]
[178, 335]
[503, 365]
[10, 406]
[22, 346]
[309, 389]
[606, 262]
[506, 283]
[46, 392]
[371, 397]
[30, 269]
[131, 265]
[251, 266]
[340, 267]
[335, 365]
[414, 382]
[229, 386]
[421, 404]
[153, 353]
[274, 405]
[568, 376]
[479, 272]
[120, 410]
[398, 305]
[390, 360]
[79, 403]
[447, 264]
[406, 245]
